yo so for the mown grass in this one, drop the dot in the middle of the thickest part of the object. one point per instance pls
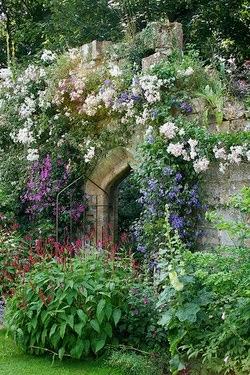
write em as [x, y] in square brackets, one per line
[14, 362]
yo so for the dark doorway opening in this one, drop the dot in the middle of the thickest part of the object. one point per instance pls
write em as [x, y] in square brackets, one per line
[129, 209]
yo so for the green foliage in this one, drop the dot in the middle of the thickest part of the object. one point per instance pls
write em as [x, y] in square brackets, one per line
[204, 301]
[214, 97]
[216, 27]
[70, 309]
[208, 319]
[133, 363]
[139, 327]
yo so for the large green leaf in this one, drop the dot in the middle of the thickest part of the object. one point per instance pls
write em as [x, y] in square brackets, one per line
[97, 344]
[62, 330]
[100, 310]
[78, 328]
[95, 325]
[77, 350]
[53, 329]
[82, 315]
[70, 321]
[108, 310]
[188, 312]
[61, 353]
[166, 318]
[108, 329]
[117, 315]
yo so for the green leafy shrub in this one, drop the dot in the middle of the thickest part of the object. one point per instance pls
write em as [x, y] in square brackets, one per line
[133, 363]
[204, 301]
[70, 309]
[140, 325]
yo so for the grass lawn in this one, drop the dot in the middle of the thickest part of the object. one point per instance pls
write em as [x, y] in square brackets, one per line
[14, 362]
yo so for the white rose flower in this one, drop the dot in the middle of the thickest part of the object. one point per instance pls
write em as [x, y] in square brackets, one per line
[89, 155]
[220, 153]
[168, 130]
[201, 165]
[175, 149]
[48, 56]
[188, 72]
[32, 154]
[115, 70]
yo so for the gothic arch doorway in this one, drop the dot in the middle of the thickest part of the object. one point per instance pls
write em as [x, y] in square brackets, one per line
[102, 191]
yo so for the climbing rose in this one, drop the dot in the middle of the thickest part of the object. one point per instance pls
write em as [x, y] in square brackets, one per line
[32, 154]
[89, 155]
[168, 130]
[188, 72]
[175, 149]
[201, 165]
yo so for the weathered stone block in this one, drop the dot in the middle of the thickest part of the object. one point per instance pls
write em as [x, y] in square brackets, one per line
[162, 36]
[170, 36]
[240, 173]
[99, 49]
[233, 110]
[222, 128]
[198, 105]
[209, 238]
[154, 59]
[238, 125]
[94, 50]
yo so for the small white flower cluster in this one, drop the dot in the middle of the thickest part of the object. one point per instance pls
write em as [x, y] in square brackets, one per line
[5, 73]
[107, 96]
[178, 149]
[115, 70]
[235, 156]
[32, 154]
[27, 108]
[6, 78]
[185, 73]
[143, 117]
[31, 74]
[93, 102]
[150, 86]
[201, 165]
[48, 56]
[43, 101]
[73, 86]
[24, 136]
[169, 130]
[89, 154]
[23, 95]
[91, 105]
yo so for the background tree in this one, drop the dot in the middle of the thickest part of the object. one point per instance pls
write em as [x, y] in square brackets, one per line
[213, 27]
[23, 28]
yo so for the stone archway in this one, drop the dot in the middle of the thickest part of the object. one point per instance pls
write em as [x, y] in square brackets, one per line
[102, 189]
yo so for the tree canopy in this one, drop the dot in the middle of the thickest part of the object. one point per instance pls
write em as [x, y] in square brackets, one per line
[28, 26]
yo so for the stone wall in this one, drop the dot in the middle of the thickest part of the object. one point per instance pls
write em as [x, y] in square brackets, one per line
[161, 39]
